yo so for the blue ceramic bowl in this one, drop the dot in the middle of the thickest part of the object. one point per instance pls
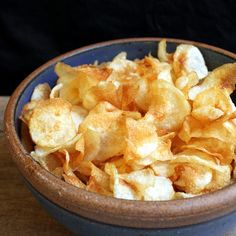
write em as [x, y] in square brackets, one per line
[87, 213]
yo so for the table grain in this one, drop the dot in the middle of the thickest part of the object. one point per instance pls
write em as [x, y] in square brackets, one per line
[20, 213]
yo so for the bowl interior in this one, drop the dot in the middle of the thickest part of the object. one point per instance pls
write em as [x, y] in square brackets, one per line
[106, 53]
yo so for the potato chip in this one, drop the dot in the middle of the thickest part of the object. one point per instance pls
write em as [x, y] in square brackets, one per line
[168, 106]
[223, 151]
[210, 105]
[161, 191]
[51, 123]
[55, 93]
[144, 146]
[77, 81]
[196, 172]
[41, 92]
[119, 187]
[78, 114]
[162, 53]
[188, 58]
[103, 132]
[222, 77]
[186, 82]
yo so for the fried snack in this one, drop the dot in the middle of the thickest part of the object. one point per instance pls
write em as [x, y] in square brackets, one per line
[151, 129]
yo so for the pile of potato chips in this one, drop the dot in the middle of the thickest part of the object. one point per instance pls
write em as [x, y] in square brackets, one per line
[150, 129]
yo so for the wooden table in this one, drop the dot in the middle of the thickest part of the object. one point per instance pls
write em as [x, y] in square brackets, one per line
[20, 213]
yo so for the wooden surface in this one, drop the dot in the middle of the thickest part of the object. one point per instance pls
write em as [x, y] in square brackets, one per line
[20, 213]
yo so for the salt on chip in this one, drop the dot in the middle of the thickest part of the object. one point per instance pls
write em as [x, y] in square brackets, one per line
[51, 123]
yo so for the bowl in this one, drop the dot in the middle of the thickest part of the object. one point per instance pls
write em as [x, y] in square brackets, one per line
[87, 213]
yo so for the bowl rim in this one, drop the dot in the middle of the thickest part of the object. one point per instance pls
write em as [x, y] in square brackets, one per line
[129, 213]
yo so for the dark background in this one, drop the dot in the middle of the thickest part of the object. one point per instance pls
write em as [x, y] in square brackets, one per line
[32, 32]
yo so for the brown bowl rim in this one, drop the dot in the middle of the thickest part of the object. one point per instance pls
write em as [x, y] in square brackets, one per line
[138, 214]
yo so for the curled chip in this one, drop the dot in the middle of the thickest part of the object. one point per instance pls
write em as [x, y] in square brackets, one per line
[152, 129]
[51, 123]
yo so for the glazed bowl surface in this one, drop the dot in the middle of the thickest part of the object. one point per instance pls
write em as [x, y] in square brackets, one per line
[78, 208]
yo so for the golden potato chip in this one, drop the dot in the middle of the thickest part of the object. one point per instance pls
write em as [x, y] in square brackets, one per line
[222, 77]
[51, 123]
[223, 151]
[103, 132]
[78, 80]
[144, 146]
[196, 171]
[168, 106]
[210, 105]
[192, 178]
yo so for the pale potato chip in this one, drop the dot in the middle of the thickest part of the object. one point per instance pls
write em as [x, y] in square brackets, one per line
[181, 195]
[162, 190]
[120, 63]
[188, 58]
[78, 114]
[162, 53]
[51, 123]
[41, 92]
[120, 188]
[55, 93]
[186, 82]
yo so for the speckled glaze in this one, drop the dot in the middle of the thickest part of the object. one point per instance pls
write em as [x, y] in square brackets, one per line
[79, 209]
